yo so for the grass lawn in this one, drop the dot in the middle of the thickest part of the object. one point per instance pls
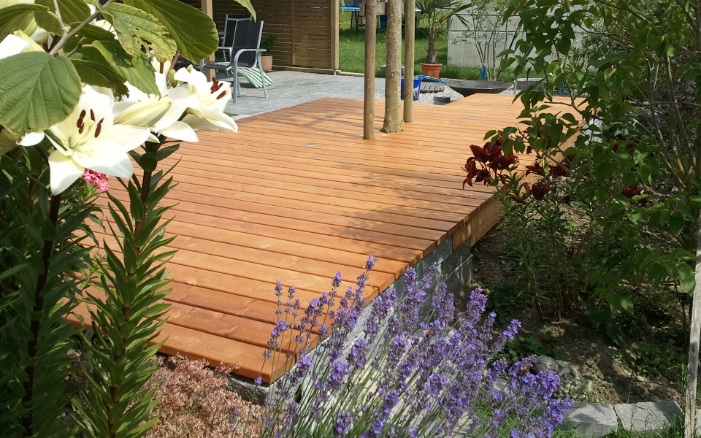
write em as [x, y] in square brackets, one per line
[352, 53]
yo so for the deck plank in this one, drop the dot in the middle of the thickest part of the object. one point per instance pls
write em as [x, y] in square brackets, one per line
[298, 195]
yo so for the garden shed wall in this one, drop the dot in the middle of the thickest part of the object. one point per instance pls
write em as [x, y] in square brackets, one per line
[305, 31]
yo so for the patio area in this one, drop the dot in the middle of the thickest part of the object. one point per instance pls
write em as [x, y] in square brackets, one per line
[298, 195]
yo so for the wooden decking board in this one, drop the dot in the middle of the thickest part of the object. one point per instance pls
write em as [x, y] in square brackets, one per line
[346, 188]
[315, 201]
[278, 246]
[200, 249]
[295, 173]
[307, 221]
[327, 246]
[259, 206]
[370, 179]
[244, 179]
[389, 155]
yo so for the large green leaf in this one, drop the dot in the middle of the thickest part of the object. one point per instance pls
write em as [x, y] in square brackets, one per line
[137, 29]
[72, 11]
[100, 75]
[139, 72]
[47, 20]
[249, 7]
[193, 31]
[17, 17]
[92, 33]
[37, 90]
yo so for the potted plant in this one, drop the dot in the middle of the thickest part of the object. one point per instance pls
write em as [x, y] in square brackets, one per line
[266, 59]
[437, 13]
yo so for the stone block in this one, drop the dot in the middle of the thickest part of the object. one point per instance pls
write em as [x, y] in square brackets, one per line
[591, 419]
[648, 416]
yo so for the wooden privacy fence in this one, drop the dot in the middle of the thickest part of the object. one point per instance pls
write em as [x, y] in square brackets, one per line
[305, 31]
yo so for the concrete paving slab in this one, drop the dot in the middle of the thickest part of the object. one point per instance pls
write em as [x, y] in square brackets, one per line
[648, 416]
[293, 88]
[591, 419]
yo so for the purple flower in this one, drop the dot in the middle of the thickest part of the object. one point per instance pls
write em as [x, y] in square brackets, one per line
[440, 368]
[344, 421]
[337, 374]
[370, 263]
[336, 282]
[259, 380]
[235, 416]
[356, 356]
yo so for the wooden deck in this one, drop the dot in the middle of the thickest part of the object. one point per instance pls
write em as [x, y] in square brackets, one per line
[298, 195]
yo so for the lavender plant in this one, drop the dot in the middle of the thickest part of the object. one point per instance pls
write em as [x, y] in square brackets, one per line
[397, 372]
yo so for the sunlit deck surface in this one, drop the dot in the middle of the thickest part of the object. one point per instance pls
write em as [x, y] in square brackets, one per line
[298, 195]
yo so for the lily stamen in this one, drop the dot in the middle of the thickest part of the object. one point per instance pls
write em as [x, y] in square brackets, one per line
[98, 129]
[80, 119]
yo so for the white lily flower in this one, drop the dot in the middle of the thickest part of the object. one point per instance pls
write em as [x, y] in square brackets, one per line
[89, 139]
[168, 124]
[209, 113]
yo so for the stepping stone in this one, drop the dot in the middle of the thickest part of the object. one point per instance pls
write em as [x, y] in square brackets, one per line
[648, 416]
[432, 87]
[591, 419]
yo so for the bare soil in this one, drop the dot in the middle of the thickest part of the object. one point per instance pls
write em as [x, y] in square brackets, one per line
[574, 339]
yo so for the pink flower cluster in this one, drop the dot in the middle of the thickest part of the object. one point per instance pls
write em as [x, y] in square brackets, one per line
[97, 179]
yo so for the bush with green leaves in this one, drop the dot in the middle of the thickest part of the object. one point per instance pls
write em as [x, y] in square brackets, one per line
[635, 166]
[620, 205]
[85, 91]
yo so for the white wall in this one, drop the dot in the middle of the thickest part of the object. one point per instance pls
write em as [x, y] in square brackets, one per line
[462, 40]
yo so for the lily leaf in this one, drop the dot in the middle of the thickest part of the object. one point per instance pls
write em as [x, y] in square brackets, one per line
[45, 92]
[17, 17]
[193, 31]
[100, 75]
[249, 7]
[137, 29]
[139, 72]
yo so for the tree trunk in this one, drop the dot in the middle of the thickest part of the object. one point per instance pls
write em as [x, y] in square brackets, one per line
[694, 335]
[393, 119]
[695, 331]
[369, 97]
[431, 51]
[409, 35]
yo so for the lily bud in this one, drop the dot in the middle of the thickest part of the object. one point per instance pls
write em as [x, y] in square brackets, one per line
[144, 114]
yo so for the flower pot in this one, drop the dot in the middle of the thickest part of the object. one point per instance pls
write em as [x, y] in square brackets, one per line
[432, 70]
[266, 61]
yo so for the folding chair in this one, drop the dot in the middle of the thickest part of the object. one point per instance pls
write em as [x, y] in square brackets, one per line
[244, 58]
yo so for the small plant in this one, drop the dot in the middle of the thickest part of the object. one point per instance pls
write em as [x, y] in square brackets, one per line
[437, 14]
[268, 43]
[399, 372]
[193, 400]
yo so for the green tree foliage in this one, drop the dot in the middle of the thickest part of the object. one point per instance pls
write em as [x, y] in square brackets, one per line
[629, 71]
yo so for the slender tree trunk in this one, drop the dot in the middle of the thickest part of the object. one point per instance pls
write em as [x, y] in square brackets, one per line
[393, 119]
[695, 329]
[695, 334]
[369, 97]
[409, 36]
[431, 51]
